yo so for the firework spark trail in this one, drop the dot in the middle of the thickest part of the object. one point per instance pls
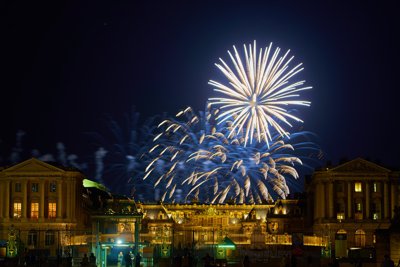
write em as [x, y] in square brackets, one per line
[194, 154]
[259, 92]
[119, 155]
[99, 157]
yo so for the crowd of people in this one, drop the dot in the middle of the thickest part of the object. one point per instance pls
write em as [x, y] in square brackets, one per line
[128, 259]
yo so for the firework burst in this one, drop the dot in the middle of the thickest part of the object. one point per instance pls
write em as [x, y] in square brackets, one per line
[119, 155]
[198, 158]
[259, 91]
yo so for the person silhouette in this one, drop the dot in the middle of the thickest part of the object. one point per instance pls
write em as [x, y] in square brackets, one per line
[387, 261]
[85, 260]
[246, 261]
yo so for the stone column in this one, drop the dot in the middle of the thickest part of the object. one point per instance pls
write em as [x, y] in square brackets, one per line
[367, 215]
[331, 205]
[25, 198]
[73, 199]
[349, 200]
[320, 201]
[392, 199]
[59, 199]
[385, 200]
[2, 201]
[137, 229]
[68, 199]
[41, 205]
[323, 202]
[7, 200]
[315, 202]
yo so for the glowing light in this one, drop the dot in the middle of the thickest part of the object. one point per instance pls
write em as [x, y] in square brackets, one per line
[259, 92]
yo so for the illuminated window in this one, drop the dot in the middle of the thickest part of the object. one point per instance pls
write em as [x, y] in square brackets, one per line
[18, 187]
[359, 238]
[17, 210]
[52, 209]
[358, 214]
[52, 187]
[375, 209]
[357, 187]
[35, 187]
[340, 216]
[375, 187]
[34, 210]
[32, 238]
[49, 238]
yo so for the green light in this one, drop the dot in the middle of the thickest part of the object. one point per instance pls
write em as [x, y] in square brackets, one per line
[226, 243]
[227, 246]
[89, 183]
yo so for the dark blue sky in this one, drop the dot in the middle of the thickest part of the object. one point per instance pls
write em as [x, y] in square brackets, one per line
[65, 65]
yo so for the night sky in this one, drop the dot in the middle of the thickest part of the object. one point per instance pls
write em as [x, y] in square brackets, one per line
[66, 65]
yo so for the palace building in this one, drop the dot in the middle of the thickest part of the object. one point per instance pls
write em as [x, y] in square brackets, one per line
[43, 205]
[50, 210]
[350, 202]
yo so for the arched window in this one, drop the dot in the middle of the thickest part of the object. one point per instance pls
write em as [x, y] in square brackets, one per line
[359, 238]
[32, 238]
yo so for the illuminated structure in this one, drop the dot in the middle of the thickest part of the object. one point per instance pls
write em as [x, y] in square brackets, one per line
[204, 224]
[115, 227]
[258, 93]
[351, 201]
[51, 208]
[173, 228]
[43, 204]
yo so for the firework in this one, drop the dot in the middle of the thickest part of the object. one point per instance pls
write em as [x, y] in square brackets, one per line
[199, 158]
[119, 156]
[259, 93]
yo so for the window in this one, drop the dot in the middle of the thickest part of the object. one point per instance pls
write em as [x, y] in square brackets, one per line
[375, 209]
[340, 211]
[375, 187]
[53, 187]
[52, 210]
[17, 210]
[35, 187]
[339, 187]
[358, 215]
[17, 187]
[34, 210]
[359, 238]
[32, 238]
[357, 187]
[49, 238]
[340, 216]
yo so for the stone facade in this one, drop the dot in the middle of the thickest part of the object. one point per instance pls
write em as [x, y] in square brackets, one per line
[44, 204]
[354, 199]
